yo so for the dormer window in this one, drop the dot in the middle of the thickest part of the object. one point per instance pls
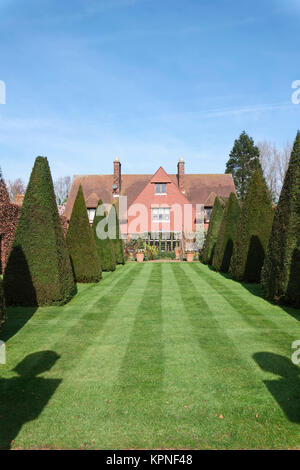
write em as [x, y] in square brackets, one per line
[160, 188]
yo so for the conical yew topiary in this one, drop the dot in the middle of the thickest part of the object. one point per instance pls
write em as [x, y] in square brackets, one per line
[81, 244]
[253, 228]
[281, 270]
[103, 243]
[117, 240]
[39, 271]
[213, 231]
[227, 234]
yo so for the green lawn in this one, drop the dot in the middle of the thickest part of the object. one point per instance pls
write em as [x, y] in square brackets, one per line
[158, 355]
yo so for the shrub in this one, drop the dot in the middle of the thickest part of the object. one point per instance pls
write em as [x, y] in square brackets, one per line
[117, 241]
[166, 255]
[39, 271]
[253, 228]
[105, 247]
[81, 244]
[151, 252]
[212, 233]
[226, 236]
[281, 270]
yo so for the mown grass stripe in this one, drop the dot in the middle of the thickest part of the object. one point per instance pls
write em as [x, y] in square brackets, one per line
[18, 317]
[73, 335]
[137, 394]
[250, 315]
[227, 364]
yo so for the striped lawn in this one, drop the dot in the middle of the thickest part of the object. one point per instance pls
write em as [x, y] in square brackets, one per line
[158, 355]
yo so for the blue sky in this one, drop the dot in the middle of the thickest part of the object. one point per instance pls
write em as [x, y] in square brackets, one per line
[147, 80]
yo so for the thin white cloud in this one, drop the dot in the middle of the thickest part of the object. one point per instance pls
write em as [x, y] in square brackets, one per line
[247, 110]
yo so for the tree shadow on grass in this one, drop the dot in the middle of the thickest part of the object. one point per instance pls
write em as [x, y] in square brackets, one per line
[19, 291]
[23, 398]
[255, 289]
[285, 390]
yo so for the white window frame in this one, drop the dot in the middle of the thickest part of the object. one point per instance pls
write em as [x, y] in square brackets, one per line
[161, 215]
[160, 193]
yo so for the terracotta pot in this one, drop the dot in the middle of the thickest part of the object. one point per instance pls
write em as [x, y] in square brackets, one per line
[177, 252]
[190, 257]
[140, 257]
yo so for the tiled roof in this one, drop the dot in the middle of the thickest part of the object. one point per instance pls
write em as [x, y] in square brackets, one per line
[198, 188]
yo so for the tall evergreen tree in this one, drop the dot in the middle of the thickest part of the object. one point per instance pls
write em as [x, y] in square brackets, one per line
[81, 244]
[253, 228]
[117, 241]
[243, 159]
[213, 231]
[39, 271]
[281, 270]
[104, 245]
[227, 234]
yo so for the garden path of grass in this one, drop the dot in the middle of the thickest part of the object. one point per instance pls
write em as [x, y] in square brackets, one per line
[157, 355]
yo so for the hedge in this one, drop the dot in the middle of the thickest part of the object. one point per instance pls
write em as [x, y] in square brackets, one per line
[212, 233]
[81, 244]
[253, 228]
[117, 241]
[281, 270]
[39, 271]
[104, 246]
[227, 234]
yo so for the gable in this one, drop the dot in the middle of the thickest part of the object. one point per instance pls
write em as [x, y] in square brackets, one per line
[160, 176]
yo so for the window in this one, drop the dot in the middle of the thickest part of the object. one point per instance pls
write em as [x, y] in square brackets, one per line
[160, 188]
[161, 214]
[91, 215]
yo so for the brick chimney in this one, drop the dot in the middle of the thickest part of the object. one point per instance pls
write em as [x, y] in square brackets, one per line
[117, 177]
[180, 174]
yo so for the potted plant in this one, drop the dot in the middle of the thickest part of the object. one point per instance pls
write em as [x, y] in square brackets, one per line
[177, 251]
[140, 250]
[190, 256]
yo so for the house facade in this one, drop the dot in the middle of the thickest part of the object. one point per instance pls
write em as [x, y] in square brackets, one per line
[162, 208]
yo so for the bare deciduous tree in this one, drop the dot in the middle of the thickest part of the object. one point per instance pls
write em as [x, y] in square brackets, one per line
[274, 163]
[62, 188]
[283, 162]
[15, 187]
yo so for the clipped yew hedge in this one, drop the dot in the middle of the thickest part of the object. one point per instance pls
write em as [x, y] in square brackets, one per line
[117, 241]
[104, 246]
[39, 271]
[281, 270]
[213, 231]
[253, 229]
[81, 244]
[227, 235]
